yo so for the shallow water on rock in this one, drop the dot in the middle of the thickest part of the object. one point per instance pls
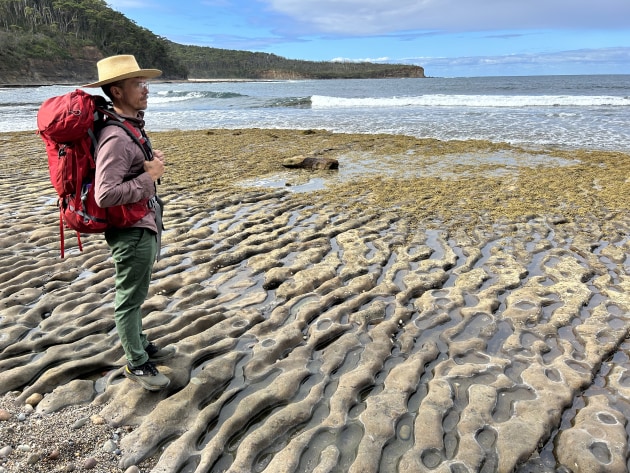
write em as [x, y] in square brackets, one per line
[353, 166]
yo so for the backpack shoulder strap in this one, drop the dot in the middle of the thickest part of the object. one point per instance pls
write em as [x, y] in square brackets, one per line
[111, 118]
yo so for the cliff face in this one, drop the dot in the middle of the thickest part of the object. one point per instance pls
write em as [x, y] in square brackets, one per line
[81, 68]
[280, 75]
[416, 72]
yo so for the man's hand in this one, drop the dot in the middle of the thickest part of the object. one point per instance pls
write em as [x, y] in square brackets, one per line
[155, 167]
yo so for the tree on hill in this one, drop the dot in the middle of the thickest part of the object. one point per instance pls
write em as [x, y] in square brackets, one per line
[59, 29]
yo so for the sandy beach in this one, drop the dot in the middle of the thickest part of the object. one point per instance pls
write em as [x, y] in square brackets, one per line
[429, 306]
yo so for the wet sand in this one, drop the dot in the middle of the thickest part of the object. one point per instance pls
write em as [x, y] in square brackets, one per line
[430, 306]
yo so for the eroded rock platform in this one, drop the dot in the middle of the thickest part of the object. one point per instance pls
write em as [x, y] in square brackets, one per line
[315, 335]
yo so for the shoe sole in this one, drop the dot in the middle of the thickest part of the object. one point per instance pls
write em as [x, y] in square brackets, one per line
[144, 384]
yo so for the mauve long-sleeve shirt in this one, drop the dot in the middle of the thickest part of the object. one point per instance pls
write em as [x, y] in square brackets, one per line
[120, 175]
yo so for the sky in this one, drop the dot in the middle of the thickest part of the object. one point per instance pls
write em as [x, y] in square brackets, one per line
[449, 38]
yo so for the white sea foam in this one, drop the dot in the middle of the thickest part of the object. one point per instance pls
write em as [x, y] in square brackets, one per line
[170, 96]
[442, 100]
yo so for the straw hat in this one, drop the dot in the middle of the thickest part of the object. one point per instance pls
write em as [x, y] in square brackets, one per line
[115, 68]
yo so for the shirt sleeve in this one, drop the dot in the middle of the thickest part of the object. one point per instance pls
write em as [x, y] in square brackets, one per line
[120, 176]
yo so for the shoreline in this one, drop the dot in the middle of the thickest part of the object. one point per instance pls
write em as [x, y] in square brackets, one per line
[431, 305]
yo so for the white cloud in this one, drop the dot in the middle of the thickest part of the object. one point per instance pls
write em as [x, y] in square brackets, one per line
[360, 17]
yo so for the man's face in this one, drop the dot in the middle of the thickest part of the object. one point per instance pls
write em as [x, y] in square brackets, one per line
[134, 93]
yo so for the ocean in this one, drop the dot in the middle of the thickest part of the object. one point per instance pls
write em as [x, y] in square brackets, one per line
[575, 112]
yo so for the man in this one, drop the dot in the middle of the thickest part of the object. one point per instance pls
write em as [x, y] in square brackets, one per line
[124, 176]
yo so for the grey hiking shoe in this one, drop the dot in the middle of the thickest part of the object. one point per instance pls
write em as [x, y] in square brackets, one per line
[148, 376]
[159, 354]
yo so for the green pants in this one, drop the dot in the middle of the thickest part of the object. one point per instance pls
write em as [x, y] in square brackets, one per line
[134, 251]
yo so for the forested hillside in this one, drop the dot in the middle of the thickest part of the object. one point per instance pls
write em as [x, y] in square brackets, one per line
[66, 37]
[204, 62]
[43, 41]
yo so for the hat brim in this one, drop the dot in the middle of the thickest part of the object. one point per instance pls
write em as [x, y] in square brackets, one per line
[148, 73]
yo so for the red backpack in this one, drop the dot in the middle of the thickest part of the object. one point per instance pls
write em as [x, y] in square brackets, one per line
[68, 124]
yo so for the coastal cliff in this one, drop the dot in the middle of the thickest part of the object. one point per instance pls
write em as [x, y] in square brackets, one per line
[76, 69]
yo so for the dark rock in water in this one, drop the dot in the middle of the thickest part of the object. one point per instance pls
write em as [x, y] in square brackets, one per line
[310, 162]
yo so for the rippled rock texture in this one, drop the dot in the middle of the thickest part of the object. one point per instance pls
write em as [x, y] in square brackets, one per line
[313, 335]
